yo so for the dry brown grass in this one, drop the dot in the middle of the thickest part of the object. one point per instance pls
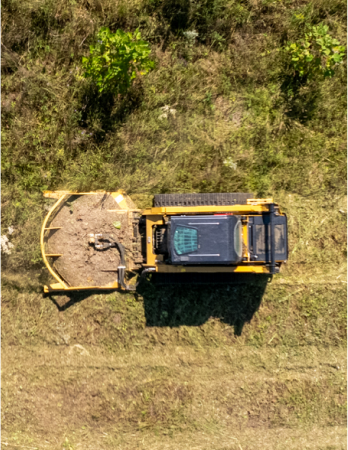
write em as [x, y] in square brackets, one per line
[78, 396]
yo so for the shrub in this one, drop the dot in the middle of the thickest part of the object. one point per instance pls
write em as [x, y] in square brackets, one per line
[116, 60]
[317, 53]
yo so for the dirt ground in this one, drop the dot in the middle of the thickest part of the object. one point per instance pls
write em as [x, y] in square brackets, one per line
[81, 264]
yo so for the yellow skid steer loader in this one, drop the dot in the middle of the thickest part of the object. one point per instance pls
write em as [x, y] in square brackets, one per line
[100, 240]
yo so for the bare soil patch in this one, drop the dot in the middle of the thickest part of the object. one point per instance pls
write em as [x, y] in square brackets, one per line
[81, 264]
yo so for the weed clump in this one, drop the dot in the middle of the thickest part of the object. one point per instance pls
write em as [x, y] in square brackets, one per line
[116, 59]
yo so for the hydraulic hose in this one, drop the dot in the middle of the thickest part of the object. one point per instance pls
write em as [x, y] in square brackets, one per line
[122, 267]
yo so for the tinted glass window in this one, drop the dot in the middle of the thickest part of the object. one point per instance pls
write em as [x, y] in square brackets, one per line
[185, 240]
[238, 245]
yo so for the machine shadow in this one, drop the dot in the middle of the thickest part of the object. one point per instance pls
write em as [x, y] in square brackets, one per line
[234, 302]
[186, 302]
[64, 300]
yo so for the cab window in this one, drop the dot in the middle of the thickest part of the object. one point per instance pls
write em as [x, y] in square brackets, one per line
[185, 240]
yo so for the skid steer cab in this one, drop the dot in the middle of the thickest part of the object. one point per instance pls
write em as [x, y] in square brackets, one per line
[100, 240]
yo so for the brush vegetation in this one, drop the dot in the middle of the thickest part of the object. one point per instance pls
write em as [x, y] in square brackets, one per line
[225, 108]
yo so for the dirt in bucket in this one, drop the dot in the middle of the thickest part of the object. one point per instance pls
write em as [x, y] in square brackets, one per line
[81, 264]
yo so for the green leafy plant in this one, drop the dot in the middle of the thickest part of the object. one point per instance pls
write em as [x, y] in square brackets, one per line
[318, 53]
[116, 60]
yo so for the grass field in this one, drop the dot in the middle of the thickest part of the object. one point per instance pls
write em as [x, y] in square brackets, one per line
[221, 397]
[247, 366]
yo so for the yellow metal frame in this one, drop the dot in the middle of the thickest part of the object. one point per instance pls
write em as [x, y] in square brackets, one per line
[174, 210]
[42, 245]
[61, 285]
[158, 216]
[166, 268]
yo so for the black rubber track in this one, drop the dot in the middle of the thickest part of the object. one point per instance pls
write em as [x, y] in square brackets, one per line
[222, 199]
